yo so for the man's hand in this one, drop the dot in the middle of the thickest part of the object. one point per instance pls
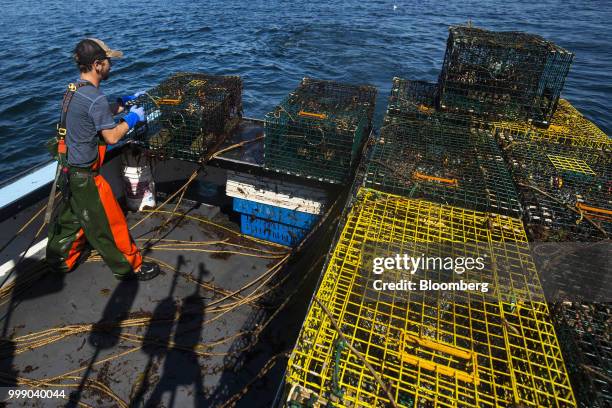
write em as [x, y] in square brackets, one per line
[137, 114]
[125, 99]
[138, 110]
[112, 136]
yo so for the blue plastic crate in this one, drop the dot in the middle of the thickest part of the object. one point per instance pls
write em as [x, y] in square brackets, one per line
[277, 214]
[271, 231]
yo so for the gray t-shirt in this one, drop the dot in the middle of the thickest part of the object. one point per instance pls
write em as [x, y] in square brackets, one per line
[88, 113]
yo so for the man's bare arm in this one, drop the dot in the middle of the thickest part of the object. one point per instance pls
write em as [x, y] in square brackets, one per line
[112, 136]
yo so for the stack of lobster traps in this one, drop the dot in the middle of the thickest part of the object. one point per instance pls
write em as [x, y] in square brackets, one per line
[189, 114]
[487, 162]
[318, 130]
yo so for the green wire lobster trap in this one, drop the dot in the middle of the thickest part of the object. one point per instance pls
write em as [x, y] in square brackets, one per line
[189, 114]
[453, 165]
[502, 75]
[417, 100]
[317, 131]
[429, 348]
[565, 190]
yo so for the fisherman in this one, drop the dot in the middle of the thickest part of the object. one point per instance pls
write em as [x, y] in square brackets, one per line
[89, 215]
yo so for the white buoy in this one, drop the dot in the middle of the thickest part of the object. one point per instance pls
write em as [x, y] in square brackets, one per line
[139, 187]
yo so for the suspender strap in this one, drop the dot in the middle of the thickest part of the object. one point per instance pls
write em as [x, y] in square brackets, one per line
[72, 88]
[61, 175]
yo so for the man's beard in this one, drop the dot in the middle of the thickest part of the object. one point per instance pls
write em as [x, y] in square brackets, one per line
[103, 75]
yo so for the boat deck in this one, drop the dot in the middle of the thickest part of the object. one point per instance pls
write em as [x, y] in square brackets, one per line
[197, 335]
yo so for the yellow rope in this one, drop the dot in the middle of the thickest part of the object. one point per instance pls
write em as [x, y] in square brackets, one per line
[179, 243]
[231, 231]
[235, 146]
[191, 178]
[216, 251]
[34, 340]
[45, 337]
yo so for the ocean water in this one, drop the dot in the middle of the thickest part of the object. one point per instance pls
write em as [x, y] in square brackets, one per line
[272, 45]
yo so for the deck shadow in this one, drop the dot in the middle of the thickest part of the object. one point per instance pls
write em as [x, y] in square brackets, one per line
[33, 279]
[106, 332]
[181, 367]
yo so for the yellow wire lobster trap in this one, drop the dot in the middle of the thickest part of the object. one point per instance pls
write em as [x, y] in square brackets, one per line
[568, 126]
[430, 348]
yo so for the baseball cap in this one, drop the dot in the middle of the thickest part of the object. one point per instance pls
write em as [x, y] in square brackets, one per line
[91, 49]
[109, 52]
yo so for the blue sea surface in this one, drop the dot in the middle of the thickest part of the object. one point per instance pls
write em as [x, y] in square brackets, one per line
[272, 45]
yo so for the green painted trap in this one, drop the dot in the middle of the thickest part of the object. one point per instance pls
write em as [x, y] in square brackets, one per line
[454, 165]
[502, 75]
[317, 131]
[189, 114]
[584, 331]
[417, 100]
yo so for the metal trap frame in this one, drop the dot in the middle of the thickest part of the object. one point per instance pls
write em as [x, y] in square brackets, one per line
[316, 132]
[560, 186]
[502, 75]
[189, 113]
[586, 333]
[417, 100]
[453, 165]
[442, 349]
[568, 126]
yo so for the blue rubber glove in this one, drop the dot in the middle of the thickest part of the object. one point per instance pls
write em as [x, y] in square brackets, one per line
[125, 99]
[137, 114]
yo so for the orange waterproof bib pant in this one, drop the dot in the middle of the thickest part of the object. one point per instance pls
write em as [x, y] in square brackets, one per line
[91, 215]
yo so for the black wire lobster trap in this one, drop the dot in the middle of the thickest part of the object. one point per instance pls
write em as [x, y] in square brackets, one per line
[188, 114]
[502, 75]
[454, 165]
[417, 100]
[317, 131]
[566, 191]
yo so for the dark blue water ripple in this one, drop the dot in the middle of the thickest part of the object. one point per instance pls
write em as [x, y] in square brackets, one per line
[272, 45]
